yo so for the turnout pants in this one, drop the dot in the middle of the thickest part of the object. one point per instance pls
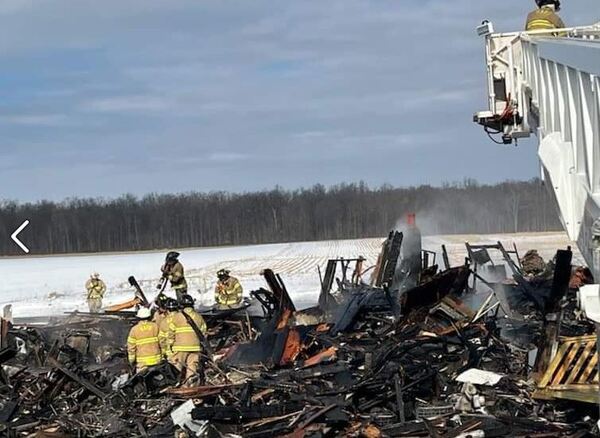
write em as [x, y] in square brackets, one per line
[95, 304]
[187, 362]
[180, 292]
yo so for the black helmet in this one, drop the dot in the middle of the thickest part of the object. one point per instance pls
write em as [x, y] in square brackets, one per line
[171, 305]
[161, 300]
[186, 301]
[223, 273]
[541, 3]
[172, 256]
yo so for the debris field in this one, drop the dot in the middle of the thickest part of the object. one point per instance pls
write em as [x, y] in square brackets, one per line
[484, 349]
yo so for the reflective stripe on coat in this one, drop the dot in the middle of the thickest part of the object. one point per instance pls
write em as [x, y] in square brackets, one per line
[175, 274]
[544, 18]
[166, 338]
[142, 344]
[229, 292]
[185, 338]
[95, 288]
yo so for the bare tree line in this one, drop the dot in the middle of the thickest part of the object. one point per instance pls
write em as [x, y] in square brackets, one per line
[343, 211]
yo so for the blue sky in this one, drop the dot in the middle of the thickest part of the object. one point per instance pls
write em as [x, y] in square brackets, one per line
[137, 96]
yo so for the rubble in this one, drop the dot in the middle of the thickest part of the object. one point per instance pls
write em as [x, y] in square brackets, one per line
[466, 352]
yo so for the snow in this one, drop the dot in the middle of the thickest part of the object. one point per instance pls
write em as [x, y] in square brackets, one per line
[42, 286]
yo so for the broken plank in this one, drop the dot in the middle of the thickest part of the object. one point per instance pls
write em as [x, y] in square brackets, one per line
[73, 376]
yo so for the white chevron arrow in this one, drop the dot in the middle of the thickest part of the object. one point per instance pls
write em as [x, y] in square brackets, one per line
[14, 237]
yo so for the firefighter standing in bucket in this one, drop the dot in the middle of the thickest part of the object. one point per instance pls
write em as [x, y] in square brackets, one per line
[95, 292]
[143, 349]
[172, 271]
[186, 344]
[545, 16]
[228, 291]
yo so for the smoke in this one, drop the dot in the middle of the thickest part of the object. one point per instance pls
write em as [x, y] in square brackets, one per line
[428, 223]
[470, 208]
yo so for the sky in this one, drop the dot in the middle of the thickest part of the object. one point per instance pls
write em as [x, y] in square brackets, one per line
[101, 98]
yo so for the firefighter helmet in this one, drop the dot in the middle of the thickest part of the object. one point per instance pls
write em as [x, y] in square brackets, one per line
[143, 313]
[186, 301]
[172, 256]
[223, 273]
[541, 3]
[171, 305]
[161, 300]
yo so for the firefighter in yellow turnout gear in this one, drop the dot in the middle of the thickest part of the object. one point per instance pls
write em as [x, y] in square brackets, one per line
[143, 349]
[166, 336]
[95, 292]
[545, 17]
[161, 309]
[186, 345]
[228, 291]
[173, 272]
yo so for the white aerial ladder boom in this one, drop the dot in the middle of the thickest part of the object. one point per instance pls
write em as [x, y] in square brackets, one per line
[548, 83]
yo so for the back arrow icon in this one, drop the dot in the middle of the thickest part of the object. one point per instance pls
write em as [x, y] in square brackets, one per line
[14, 235]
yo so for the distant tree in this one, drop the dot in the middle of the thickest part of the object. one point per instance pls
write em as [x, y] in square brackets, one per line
[344, 211]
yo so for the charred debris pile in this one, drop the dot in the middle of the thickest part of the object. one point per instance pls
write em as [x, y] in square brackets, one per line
[484, 349]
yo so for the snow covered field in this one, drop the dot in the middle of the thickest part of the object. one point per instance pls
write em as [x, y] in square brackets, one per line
[41, 286]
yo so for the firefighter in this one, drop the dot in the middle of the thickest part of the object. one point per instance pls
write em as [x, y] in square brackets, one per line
[95, 292]
[143, 349]
[166, 337]
[172, 271]
[161, 310]
[228, 291]
[545, 16]
[186, 344]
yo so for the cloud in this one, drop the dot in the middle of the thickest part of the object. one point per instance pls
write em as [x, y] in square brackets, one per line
[289, 93]
[8, 7]
[226, 157]
[46, 120]
[127, 104]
